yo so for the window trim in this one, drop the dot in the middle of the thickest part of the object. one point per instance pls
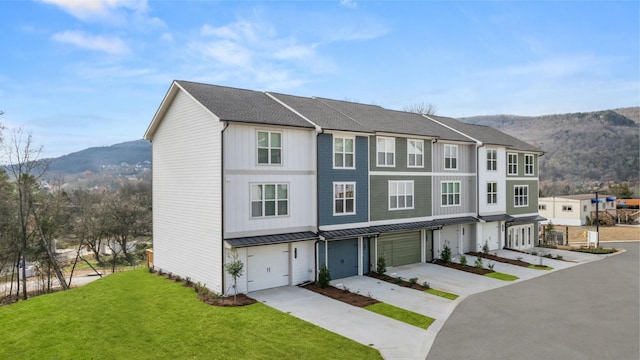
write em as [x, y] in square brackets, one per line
[494, 193]
[385, 138]
[456, 157]
[269, 148]
[263, 200]
[459, 193]
[529, 169]
[406, 194]
[509, 164]
[344, 199]
[344, 153]
[415, 154]
[524, 196]
[492, 161]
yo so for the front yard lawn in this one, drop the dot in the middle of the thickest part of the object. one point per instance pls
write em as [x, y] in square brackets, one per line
[441, 293]
[137, 315]
[501, 276]
[400, 314]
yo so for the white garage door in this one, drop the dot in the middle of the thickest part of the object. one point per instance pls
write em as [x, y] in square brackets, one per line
[491, 235]
[267, 266]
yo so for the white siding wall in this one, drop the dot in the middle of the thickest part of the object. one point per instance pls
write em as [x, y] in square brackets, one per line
[302, 265]
[187, 206]
[498, 176]
[557, 216]
[298, 170]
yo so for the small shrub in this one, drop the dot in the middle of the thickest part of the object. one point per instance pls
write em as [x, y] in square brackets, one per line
[534, 253]
[381, 266]
[491, 265]
[160, 272]
[445, 255]
[426, 285]
[559, 257]
[413, 281]
[177, 278]
[519, 258]
[151, 270]
[187, 281]
[463, 260]
[324, 277]
[485, 248]
[398, 279]
[478, 263]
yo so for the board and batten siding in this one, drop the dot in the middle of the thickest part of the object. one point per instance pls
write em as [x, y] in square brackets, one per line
[327, 175]
[486, 176]
[187, 202]
[298, 170]
[466, 158]
[467, 196]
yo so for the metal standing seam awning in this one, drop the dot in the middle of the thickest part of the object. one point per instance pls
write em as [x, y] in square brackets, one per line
[494, 218]
[526, 219]
[271, 239]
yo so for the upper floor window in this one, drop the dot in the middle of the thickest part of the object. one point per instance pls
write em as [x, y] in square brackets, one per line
[344, 198]
[492, 160]
[521, 195]
[415, 153]
[269, 200]
[492, 193]
[451, 157]
[512, 164]
[400, 195]
[528, 164]
[386, 150]
[343, 152]
[450, 193]
[269, 147]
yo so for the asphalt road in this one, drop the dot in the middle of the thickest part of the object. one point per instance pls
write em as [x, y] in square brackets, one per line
[591, 311]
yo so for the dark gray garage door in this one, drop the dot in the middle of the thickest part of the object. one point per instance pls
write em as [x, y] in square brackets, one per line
[400, 248]
[343, 257]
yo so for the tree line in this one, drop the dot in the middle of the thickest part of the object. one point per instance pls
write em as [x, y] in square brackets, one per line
[101, 226]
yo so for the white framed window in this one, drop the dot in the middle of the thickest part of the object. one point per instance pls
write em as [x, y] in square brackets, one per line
[528, 164]
[400, 194]
[344, 198]
[542, 207]
[512, 164]
[521, 195]
[269, 200]
[492, 193]
[415, 153]
[344, 149]
[451, 157]
[269, 147]
[492, 159]
[567, 208]
[450, 193]
[386, 151]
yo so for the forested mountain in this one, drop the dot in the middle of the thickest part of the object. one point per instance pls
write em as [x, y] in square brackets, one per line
[598, 146]
[97, 158]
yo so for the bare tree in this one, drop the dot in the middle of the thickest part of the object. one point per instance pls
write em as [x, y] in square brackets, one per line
[422, 108]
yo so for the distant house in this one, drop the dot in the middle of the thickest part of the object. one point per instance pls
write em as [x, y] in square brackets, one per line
[291, 183]
[573, 210]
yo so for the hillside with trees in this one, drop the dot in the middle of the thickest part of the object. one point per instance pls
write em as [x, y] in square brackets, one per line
[582, 150]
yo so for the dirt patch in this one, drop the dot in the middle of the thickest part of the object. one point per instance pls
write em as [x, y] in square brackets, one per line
[397, 281]
[500, 259]
[467, 268]
[342, 295]
[241, 300]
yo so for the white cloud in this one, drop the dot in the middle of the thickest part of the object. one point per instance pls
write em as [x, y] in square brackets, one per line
[89, 9]
[349, 4]
[111, 45]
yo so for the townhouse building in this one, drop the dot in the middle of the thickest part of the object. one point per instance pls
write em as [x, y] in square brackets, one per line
[288, 183]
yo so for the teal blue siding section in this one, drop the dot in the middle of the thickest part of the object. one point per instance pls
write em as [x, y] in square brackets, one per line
[327, 175]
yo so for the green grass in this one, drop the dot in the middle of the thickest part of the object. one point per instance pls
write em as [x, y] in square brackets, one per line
[443, 294]
[137, 315]
[532, 266]
[400, 314]
[501, 276]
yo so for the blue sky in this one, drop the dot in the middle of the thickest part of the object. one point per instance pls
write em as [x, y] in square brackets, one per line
[91, 73]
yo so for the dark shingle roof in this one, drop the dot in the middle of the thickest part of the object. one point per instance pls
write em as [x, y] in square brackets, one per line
[271, 239]
[231, 104]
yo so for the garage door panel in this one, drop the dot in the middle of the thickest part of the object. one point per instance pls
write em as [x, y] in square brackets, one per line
[400, 248]
[343, 258]
[267, 266]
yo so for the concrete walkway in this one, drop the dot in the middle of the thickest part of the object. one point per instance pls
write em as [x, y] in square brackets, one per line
[394, 339]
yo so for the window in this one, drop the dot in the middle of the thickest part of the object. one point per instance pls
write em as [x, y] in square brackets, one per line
[400, 195]
[386, 151]
[269, 147]
[542, 207]
[344, 198]
[269, 200]
[492, 193]
[567, 208]
[512, 164]
[521, 196]
[451, 157]
[492, 160]
[528, 164]
[584, 208]
[343, 152]
[415, 153]
[450, 193]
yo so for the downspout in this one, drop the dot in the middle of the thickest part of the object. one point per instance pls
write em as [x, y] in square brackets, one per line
[478, 146]
[222, 180]
[319, 131]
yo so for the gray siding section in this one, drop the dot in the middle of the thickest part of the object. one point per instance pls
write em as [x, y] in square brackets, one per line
[380, 198]
[401, 156]
[533, 197]
[466, 158]
[467, 195]
[327, 175]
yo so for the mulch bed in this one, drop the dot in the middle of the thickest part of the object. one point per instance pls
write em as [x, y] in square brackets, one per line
[500, 259]
[395, 280]
[241, 300]
[467, 268]
[342, 295]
